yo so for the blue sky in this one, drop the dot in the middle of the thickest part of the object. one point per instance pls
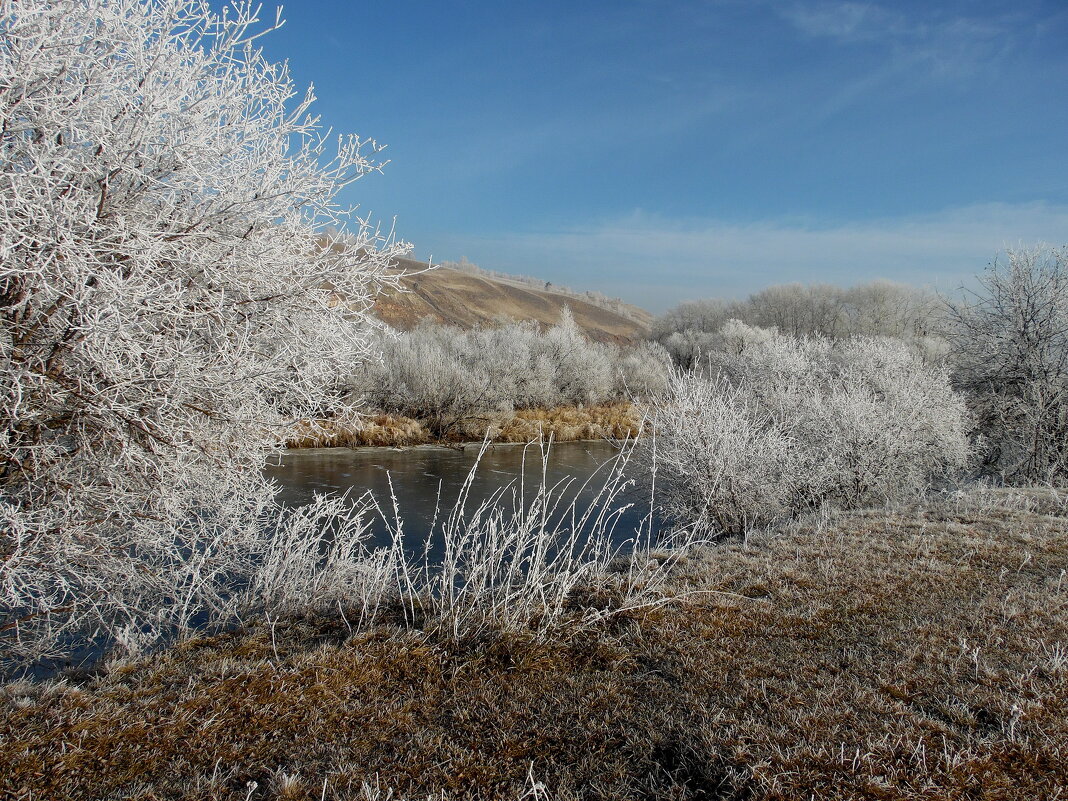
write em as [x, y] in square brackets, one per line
[664, 151]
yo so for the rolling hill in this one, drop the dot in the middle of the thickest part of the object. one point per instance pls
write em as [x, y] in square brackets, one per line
[467, 299]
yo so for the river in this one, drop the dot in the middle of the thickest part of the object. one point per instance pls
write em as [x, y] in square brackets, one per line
[427, 479]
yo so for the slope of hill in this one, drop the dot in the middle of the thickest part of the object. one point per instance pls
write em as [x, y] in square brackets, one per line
[466, 300]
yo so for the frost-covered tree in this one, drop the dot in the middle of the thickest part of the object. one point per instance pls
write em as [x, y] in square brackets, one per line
[167, 302]
[885, 308]
[695, 315]
[798, 309]
[1011, 356]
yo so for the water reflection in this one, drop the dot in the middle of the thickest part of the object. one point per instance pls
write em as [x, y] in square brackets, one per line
[419, 477]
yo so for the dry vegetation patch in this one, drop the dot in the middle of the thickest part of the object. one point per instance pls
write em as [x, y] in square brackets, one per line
[391, 430]
[885, 656]
[615, 421]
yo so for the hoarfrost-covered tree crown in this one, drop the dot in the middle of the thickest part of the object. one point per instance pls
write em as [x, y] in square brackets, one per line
[168, 296]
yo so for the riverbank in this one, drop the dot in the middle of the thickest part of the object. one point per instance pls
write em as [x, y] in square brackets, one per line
[613, 421]
[906, 655]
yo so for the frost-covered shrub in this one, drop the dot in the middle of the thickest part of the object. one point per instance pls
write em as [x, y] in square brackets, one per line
[1010, 355]
[520, 370]
[428, 374]
[736, 337]
[448, 376]
[787, 424]
[876, 309]
[689, 347]
[723, 462]
[642, 371]
[584, 369]
[891, 424]
[167, 303]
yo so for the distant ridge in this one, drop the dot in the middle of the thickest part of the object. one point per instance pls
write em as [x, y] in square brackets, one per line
[472, 297]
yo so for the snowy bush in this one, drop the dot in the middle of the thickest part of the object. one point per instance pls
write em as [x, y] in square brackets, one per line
[448, 376]
[1010, 352]
[428, 374]
[167, 304]
[642, 371]
[584, 369]
[787, 424]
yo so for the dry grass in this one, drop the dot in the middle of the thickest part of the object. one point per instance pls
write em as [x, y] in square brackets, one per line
[878, 656]
[390, 430]
[616, 421]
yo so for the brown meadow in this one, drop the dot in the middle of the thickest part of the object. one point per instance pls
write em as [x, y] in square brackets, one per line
[908, 654]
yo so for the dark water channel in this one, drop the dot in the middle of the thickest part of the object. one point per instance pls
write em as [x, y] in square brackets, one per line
[425, 479]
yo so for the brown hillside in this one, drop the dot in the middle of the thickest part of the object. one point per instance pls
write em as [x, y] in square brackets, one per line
[467, 300]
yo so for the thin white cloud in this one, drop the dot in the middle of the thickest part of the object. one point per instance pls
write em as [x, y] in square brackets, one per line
[939, 45]
[657, 263]
[844, 21]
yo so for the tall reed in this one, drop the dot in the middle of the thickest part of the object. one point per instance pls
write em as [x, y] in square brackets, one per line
[522, 559]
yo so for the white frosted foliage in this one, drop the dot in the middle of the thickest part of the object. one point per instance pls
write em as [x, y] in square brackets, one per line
[166, 303]
[782, 424]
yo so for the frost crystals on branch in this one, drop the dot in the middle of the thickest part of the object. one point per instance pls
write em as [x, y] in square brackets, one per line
[1011, 355]
[168, 300]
